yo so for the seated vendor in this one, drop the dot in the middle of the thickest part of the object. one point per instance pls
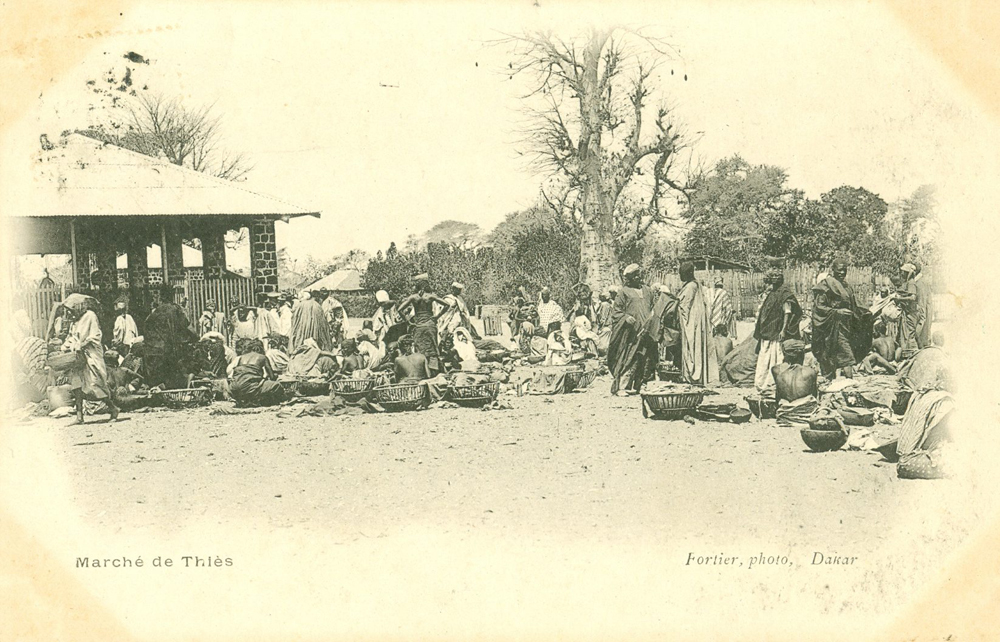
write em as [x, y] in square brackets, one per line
[412, 367]
[882, 345]
[277, 352]
[559, 351]
[350, 359]
[796, 390]
[308, 361]
[252, 382]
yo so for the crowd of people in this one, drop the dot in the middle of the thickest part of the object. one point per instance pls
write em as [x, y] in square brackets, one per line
[640, 332]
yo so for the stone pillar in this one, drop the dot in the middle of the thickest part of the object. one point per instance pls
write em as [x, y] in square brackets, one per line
[138, 278]
[263, 256]
[106, 262]
[173, 255]
[213, 253]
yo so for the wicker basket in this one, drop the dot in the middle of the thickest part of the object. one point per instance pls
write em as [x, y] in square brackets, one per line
[352, 390]
[823, 440]
[185, 397]
[671, 405]
[478, 394]
[400, 396]
[579, 379]
[762, 408]
[63, 361]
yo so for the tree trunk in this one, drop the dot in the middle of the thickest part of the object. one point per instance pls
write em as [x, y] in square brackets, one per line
[598, 263]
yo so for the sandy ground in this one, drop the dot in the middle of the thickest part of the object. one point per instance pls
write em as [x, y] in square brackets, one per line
[563, 516]
[572, 473]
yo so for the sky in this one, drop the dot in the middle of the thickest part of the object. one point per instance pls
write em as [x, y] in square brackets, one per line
[836, 93]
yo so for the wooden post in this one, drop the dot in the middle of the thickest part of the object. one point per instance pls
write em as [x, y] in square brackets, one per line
[163, 254]
[72, 246]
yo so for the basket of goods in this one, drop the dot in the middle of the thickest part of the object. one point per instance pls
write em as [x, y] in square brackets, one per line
[313, 387]
[352, 390]
[762, 407]
[824, 433]
[382, 378]
[63, 361]
[400, 396]
[289, 385]
[180, 398]
[670, 401]
[574, 379]
[475, 395]
[586, 379]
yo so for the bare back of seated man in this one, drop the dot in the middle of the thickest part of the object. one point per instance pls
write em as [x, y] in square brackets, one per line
[410, 367]
[792, 380]
[885, 347]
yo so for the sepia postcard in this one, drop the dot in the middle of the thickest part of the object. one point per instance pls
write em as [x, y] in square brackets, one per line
[512, 320]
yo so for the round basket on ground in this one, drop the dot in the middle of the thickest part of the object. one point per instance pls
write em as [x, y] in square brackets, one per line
[573, 379]
[185, 397]
[475, 395]
[400, 396]
[671, 405]
[823, 440]
[352, 390]
[313, 387]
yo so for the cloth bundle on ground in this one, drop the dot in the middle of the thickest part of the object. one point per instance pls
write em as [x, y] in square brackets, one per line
[795, 414]
[874, 390]
[740, 365]
[924, 436]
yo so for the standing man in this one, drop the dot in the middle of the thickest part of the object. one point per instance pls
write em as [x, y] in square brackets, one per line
[125, 331]
[777, 320]
[841, 330]
[168, 338]
[925, 302]
[424, 329]
[456, 315]
[632, 353]
[697, 364]
[722, 309]
[211, 320]
[550, 313]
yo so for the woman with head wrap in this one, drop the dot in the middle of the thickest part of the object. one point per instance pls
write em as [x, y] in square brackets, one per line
[841, 329]
[777, 320]
[698, 365]
[89, 380]
[309, 361]
[252, 382]
[276, 353]
[27, 361]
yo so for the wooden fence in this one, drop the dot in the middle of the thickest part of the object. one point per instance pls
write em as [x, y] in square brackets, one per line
[747, 289]
[223, 291]
[38, 303]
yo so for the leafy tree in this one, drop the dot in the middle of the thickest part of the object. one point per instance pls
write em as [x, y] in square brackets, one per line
[740, 212]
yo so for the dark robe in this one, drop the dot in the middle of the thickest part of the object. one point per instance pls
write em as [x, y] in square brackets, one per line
[839, 340]
[772, 316]
[166, 345]
[632, 347]
[309, 322]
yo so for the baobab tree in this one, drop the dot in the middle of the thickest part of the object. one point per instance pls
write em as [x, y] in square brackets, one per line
[614, 164]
